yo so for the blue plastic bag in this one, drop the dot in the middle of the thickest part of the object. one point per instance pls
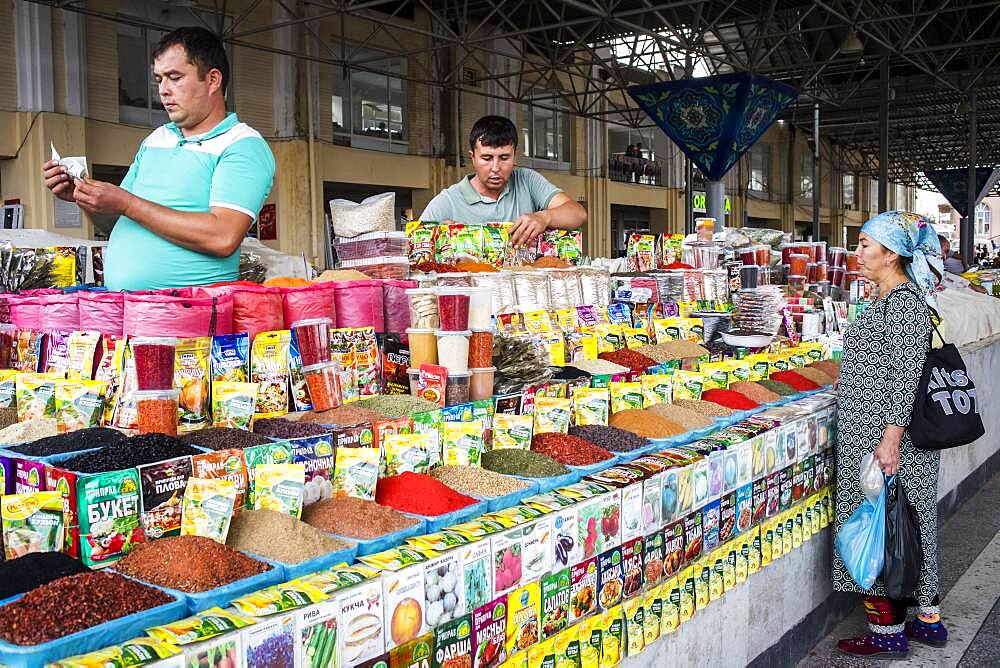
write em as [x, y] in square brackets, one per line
[861, 541]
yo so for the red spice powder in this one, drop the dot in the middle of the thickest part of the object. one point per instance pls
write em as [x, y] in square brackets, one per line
[568, 449]
[796, 380]
[729, 399]
[629, 358]
[420, 494]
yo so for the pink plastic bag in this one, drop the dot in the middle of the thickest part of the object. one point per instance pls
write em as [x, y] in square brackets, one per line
[359, 304]
[164, 314]
[26, 308]
[60, 312]
[256, 309]
[102, 312]
[395, 306]
[311, 301]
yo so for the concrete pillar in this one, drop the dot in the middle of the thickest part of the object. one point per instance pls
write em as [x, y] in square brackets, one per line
[597, 231]
[715, 203]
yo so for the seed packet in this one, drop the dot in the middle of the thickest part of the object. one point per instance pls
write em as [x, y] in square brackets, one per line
[687, 385]
[56, 355]
[496, 236]
[280, 487]
[590, 406]
[462, 443]
[36, 395]
[191, 377]
[625, 396]
[82, 351]
[32, 523]
[395, 360]
[656, 389]
[233, 404]
[466, 241]
[555, 602]
[279, 452]
[8, 388]
[27, 353]
[636, 337]
[367, 359]
[110, 369]
[342, 352]
[589, 635]
[489, 634]
[207, 508]
[641, 252]
[512, 431]
[280, 598]
[523, 614]
[670, 617]
[426, 423]
[269, 369]
[551, 415]
[356, 472]
[79, 404]
[136, 652]
[301, 401]
[407, 452]
[231, 358]
[206, 624]
[612, 637]
[431, 383]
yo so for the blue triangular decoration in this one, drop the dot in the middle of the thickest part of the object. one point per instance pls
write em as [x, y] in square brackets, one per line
[714, 120]
[953, 184]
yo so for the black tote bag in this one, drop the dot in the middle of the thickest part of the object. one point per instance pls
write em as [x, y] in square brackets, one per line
[904, 554]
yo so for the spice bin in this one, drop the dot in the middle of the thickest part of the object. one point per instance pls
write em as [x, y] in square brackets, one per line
[423, 304]
[313, 336]
[154, 362]
[457, 388]
[156, 411]
[481, 349]
[480, 308]
[452, 351]
[481, 386]
[453, 309]
[423, 347]
[323, 382]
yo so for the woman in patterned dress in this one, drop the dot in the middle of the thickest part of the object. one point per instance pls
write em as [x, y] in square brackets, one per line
[884, 353]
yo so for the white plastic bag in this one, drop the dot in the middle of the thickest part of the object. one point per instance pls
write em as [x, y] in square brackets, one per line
[375, 214]
[871, 477]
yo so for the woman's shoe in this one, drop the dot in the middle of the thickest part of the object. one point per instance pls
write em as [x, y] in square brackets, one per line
[876, 646]
[935, 635]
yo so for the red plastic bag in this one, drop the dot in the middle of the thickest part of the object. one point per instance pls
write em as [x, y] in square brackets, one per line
[313, 301]
[256, 309]
[395, 306]
[359, 304]
[102, 312]
[60, 312]
[176, 313]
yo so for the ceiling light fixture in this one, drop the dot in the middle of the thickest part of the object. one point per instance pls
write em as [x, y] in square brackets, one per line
[852, 45]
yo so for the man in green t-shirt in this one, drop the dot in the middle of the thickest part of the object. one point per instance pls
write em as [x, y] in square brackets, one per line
[500, 192]
[195, 186]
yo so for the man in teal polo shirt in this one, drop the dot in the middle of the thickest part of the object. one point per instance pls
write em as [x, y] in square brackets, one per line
[195, 186]
[498, 191]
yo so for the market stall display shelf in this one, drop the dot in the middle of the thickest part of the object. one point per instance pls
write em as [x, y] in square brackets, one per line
[668, 442]
[438, 522]
[221, 596]
[323, 561]
[388, 541]
[94, 638]
[589, 469]
[508, 500]
[553, 482]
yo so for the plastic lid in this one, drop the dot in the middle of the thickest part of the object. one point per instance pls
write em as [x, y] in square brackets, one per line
[444, 332]
[417, 330]
[481, 331]
[145, 395]
[153, 341]
[797, 277]
[413, 372]
[311, 321]
[486, 369]
[798, 255]
[320, 365]
[421, 291]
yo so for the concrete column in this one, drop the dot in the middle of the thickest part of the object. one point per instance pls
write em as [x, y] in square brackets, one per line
[597, 231]
[715, 203]
[33, 41]
[75, 60]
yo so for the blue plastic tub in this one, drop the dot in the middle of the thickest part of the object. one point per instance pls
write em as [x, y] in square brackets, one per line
[221, 596]
[663, 443]
[95, 638]
[390, 540]
[438, 522]
[590, 469]
[323, 561]
[553, 482]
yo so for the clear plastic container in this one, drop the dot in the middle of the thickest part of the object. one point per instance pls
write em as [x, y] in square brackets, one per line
[811, 272]
[819, 250]
[837, 256]
[8, 334]
[837, 276]
[480, 308]
[501, 287]
[482, 383]
[453, 309]
[822, 271]
[455, 279]
[156, 411]
[797, 285]
[481, 349]
[564, 288]
[372, 244]
[531, 289]
[452, 351]
[456, 389]
[154, 362]
[748, 255]
[313, 337]
[749, 276]
[852, 261]
[763, 252]
[423, 304]
[798, 264]
[595, 285]
[423, 347]
[323, 382]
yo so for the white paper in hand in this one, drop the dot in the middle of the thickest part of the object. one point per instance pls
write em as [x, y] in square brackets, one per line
[76, 166]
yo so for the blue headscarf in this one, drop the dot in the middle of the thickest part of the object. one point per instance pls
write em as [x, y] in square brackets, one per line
[910, 235]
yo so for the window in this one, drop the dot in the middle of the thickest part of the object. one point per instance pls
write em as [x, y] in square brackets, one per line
[901, 203]
[983, 219]
[368, 109]
[806, 175]
[760, 168]
[546, 130]
[873, 196]
[847, 189]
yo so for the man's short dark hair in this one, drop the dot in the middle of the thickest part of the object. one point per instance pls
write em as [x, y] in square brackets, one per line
[204, 50]
[494, 131]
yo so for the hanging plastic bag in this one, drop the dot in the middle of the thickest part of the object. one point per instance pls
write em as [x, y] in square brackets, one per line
[904, 555]
[871, 477]
[177, 313]
[861, 541]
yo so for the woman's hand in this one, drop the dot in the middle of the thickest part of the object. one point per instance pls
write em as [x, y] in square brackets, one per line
[887, 452]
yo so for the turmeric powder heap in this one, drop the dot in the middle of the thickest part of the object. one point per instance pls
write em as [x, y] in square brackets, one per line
[645, 423]
[473, 266]
[548, 262]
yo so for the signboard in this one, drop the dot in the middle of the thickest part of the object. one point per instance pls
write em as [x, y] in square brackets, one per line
[698, 204]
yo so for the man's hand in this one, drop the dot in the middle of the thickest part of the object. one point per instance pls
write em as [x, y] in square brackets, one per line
[527, 228]
[58, 181]
[99, 197]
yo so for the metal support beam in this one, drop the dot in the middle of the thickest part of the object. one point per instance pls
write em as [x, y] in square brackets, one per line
[969, 228]
[883, 137]
[716, 203]
[817, 184]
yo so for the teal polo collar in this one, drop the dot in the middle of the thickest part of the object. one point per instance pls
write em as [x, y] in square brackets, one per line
[472, 196]
[227, 124]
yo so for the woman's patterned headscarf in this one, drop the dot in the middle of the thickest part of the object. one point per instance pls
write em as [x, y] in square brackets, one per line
[910, 235]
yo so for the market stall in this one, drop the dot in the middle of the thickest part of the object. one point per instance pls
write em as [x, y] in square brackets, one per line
[458, 454]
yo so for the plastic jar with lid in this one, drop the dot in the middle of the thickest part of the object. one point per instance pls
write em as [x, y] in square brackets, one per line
[481, 349]
[797, 285]
[453, 309]
[414, 376]
[313, 337]
[453, 350]
[798, 264]
[154, 362]
[763, 253]
[837, 256]
[423, 347]
[480, 308]
[423, 304]
[481, 386]
[748, 255]
[323, 383]
[156, 411]
[456, 390]
[852, 261]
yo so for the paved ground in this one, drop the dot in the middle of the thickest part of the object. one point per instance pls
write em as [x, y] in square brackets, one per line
[969, 560]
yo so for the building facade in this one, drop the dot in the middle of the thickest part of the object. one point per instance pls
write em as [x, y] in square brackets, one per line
[84, 83]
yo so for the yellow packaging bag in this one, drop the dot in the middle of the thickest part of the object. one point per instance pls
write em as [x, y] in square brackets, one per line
[589, 634]
[512, 431]
[657, 388]
[688, 385]
[625, 396]
[80, 404]
[207, 508]
[552, 415]
[670, 616]
[279, 487]
[653, 619]
[591, 406]
[688, 592]
[635, 612]
[612, 636]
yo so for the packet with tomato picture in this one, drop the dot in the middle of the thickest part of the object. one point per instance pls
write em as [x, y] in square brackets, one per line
[431, 383]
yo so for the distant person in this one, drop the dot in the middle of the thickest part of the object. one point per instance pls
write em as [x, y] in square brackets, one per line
[953, 264]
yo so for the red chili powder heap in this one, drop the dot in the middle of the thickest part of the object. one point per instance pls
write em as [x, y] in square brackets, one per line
[420, 494]
[729, 399]
[629, 358]
[796, 380]
[568, 449]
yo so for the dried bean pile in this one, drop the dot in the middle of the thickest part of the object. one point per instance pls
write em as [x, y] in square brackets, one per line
[754, 392]
[397, 405]
[477, 481]
[132, 452]
[685, 417]
[71, 441]
[609, 438]
[282, 428]
[75, 603]
[569, 450]
[189, 563]
[646, 423]
[514, 461]
[779, 388]
[224, 438]
[279, 537]
[35, 569]
[355, 518]
[704, 407]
